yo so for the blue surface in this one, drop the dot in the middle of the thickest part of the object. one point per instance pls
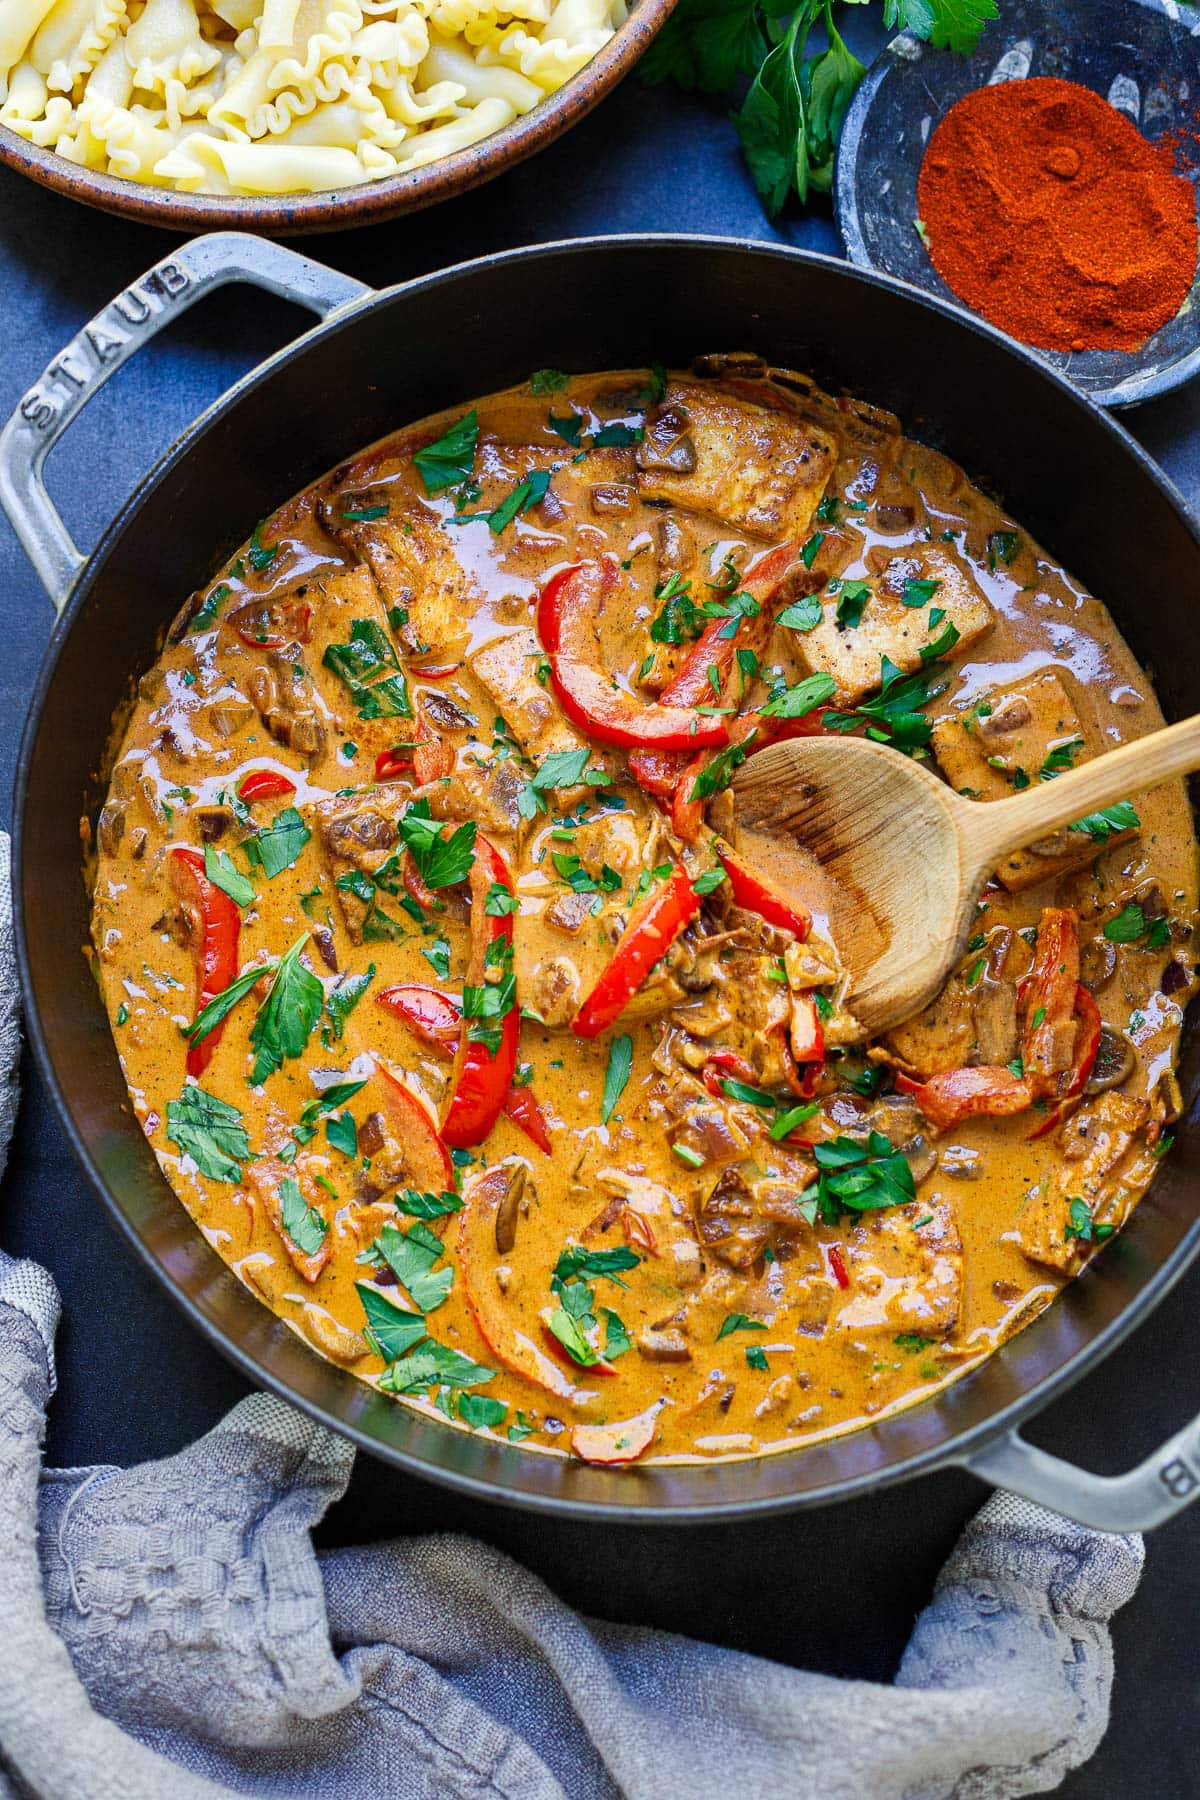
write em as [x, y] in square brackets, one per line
[835, 1590]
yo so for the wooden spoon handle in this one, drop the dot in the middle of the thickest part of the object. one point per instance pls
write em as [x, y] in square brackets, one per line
[991, 831]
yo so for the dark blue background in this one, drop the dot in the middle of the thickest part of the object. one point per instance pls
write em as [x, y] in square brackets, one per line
[835, 1590]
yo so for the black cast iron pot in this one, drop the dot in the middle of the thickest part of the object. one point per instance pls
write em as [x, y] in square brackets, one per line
[375, 362]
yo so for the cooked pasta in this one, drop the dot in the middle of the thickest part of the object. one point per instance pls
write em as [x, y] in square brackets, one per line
[282, 96]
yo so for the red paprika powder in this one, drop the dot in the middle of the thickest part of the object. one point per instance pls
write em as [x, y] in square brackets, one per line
[1046, 210]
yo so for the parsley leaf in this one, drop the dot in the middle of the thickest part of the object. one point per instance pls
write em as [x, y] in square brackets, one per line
[279, 845]
[796, 702]
[303, 1223]
[476, 1410]
[449, 461]
[578, 1262]
[441, 862]
[919, 593]
[1101, 825]
[620, 1062]
[223, 1003]
[803, 615]
[370, 670]
[720, 771]
[428, 1206]
[391, 1328]
[432, 1365]
[342, 999]
[548, 381]
[410, 1255]
[527, 493]
[210, 1131]
[852, 600]
[861, 1177]
[287, 1015]
[739, 1321]
[221, 872]
[679, 621]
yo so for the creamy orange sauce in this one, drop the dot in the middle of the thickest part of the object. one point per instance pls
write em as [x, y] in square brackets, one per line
[742, 1323]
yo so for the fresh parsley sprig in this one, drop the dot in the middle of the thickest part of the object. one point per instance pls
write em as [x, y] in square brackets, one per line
[793, 111]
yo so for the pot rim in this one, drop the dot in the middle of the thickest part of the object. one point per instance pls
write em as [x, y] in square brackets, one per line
[959, 1446]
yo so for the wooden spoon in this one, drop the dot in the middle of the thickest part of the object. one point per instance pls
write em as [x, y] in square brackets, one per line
[907, 857]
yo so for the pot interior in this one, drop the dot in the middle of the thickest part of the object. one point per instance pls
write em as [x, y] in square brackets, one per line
[1064, 471]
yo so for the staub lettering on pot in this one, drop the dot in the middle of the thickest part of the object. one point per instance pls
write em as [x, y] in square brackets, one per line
[104, 340]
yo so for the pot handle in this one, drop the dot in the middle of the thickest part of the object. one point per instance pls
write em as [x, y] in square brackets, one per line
[116, 332]
[1145, 1496]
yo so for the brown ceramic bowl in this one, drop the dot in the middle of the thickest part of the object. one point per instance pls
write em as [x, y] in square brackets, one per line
[368, 204]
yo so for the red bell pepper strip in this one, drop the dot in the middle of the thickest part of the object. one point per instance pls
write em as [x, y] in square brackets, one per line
[435, 1018]
[442, 673]
[265, 784]
[749, 890]
[837, 1263]
[427, 756]
[587, 694]
[216, 943]
[687, 814]
[525, 1110]
[806, 1039]
[953, 1095]
[723, 1064]
[482, 1074]
[1048, 994]
[648, 936]
[427, 1158]
[1087, 1046]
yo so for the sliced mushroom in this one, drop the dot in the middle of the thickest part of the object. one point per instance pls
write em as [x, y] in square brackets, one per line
[612, 499]
[570, 912]
[226, 717]
[509, 1205]
[110, 828]
[667, 443]
[1115, 1060]
[1097, 964]
[554, 990]
[330, 1336]
[213, 822]
[960, 1162]
[746, 364]
[371, 1134]
[323, 939]
[668, 1346]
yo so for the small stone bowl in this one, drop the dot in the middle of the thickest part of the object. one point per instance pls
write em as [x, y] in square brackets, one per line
[1143, 56]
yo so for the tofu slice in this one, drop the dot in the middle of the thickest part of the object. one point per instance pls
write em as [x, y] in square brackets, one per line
[359, 839]
[420, 580]
[1000, 744]
[853, 654]
[1101, 1167]
[903, 1280]
[507, 668]
[756, 470]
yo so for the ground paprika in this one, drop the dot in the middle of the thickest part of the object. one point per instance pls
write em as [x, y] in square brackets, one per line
[1046, 210]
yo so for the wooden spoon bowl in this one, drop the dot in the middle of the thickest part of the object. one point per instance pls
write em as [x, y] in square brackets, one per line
[906, 857]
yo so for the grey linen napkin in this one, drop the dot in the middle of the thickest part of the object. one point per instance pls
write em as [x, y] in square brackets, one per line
[169, 1630]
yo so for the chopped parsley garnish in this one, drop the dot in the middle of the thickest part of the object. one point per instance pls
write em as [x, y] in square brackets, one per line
[620, 1062]
[260, 556]
[739, 1321]
[616, 437]
[499, 902]
[861, 1178]
[392, 1330]
[575, 1316]
[448, 462]
[221, 872]
[747, 1095]
[303, 1223]
[756, 1358]
[222, 1004]
[477, 1410]
[437, 955]
[579, 1263]
[528, 492]
[433, 1365]
[1100, 826]
[680, 619]
[1082, 1226]
[210, 1131]
[342, 1133]
[733, 608]
[911, 1342]
[720, 771]
[567, 428]
[852, 600]
[1131, 925]
[797, 702]
[794, 1116]
[428, 1206]
[362, 515]
[286, 1017]
[369, 667]
[919, 593]
[1001, 548]
[410, 1255]
[1059, 759]
[548, 381]
[342, 999]
[207, 613]
[892, 716]
[122, 1014]
[804, 614]
[279, 845]
[441, 861]
[709, 881]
